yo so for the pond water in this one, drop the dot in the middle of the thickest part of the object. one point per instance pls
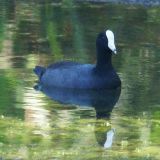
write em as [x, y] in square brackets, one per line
[35, 127]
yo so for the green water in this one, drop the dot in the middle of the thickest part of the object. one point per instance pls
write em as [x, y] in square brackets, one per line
[34, 127]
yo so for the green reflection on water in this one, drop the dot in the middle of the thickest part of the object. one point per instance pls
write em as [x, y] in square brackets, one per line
[34, 127]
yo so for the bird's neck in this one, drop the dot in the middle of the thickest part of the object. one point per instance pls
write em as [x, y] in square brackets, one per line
[104, 60]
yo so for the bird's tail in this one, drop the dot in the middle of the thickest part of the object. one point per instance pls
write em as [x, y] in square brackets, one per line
[39, 71]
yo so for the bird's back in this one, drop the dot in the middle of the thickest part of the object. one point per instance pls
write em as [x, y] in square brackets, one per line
[75, 75]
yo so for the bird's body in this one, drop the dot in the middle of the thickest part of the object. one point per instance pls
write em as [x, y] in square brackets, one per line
[83, 76]
[76, 75]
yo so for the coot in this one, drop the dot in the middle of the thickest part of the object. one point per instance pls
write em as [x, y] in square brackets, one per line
[74, 75]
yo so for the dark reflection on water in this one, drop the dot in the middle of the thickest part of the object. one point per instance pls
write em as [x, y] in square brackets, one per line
[32, 126]
[102, 100]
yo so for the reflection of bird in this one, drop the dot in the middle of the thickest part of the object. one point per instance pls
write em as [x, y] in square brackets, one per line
[109, 139]
[84, 76]
[104, 133]
[101, 128]
[102, 100]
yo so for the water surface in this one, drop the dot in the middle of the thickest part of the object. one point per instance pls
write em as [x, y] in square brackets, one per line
[33, 126]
